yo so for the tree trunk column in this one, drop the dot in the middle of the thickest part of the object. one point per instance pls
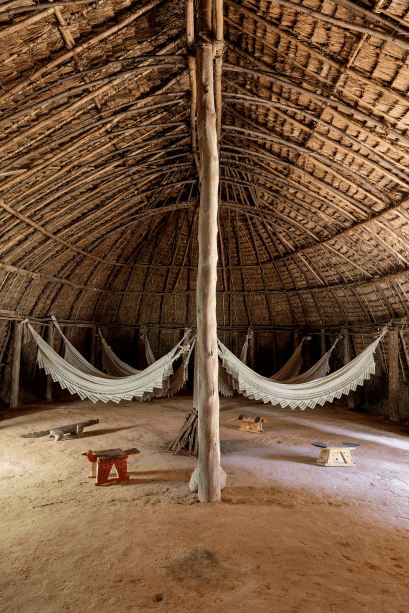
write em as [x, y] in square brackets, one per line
[393, 350]
[207, 393]
[347, 359]
[49, 379]
[15, 365]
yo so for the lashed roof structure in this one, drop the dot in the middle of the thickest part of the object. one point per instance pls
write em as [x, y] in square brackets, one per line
[99, 175]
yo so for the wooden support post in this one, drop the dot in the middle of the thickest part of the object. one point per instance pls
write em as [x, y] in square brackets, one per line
[323, 342]
[393, 350]
[251, 351]
[93, 346]
[295, 339]
[347, 359]
[207, 393]
[48, 378]
[15, 364]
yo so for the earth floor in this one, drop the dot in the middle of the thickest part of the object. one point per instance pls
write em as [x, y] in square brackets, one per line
[289, 535]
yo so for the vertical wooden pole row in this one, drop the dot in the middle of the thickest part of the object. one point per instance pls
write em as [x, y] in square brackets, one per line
[207, 393]
[393, 350]
[49, 379]
[347, 359]
[15, 364]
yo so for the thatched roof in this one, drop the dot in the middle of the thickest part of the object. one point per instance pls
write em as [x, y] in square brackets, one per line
[99, 186]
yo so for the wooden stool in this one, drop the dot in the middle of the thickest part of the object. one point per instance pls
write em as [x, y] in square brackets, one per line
[336, 454]
[250, 424]
[103, 461]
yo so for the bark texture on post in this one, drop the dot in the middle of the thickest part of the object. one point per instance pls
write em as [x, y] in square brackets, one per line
[207, 393]
[49, 379]
[393, 350]
[347, 359]
[93, 347]
[15, 364]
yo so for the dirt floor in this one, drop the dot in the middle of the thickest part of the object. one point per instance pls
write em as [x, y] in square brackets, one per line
[289, 536]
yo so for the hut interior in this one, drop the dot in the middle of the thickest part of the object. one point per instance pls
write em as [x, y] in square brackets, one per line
[232, 170]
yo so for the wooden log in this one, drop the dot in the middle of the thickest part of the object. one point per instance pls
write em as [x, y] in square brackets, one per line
[393, 350]
[206, 343]
[93, 346]
[295, 339]
[347, 358]
[251, 351]
[49, 379]
[15, 364]
[323, 342]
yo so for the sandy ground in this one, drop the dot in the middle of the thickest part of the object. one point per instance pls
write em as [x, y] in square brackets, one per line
[289, 536]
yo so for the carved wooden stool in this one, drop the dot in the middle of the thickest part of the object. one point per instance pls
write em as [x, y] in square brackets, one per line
[250, 424]
[336, 454]
[103, 461]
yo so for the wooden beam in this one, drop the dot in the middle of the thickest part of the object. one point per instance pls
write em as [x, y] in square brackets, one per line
[347, 358]
[15, 364]
[393, 350]
[207, 393]
[48, 378]
[250, 361]
[295, 339]
[323, 342]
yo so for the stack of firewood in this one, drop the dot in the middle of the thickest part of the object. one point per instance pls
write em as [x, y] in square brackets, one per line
[186, 440]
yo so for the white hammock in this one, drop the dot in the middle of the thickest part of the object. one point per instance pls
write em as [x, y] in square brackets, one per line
[319, 370]
[112, 364]
[301, 395]
[100, 388]
[73, 357]
[177, 381]
[292, 367]
[225, 381]
[150, 358]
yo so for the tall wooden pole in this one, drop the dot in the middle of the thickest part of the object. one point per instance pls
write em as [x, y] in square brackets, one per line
[207, 394]
[93, 347]
[15, 364]
[323, 342]
[393, 350]
[251, 351]
[295, 339]
[347, 359]
[49, 379]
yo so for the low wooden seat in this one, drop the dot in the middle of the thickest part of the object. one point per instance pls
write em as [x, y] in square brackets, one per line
[104, 460]
[335, 454]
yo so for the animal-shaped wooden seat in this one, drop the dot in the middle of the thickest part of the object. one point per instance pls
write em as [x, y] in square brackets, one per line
[250, 424]
[104, 460]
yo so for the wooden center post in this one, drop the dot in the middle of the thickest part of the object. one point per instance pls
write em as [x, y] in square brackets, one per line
[209, 25]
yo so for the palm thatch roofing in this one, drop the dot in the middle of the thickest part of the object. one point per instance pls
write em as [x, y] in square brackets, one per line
[99, 176]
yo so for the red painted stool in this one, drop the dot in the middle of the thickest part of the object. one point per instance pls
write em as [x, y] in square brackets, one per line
[103, 461]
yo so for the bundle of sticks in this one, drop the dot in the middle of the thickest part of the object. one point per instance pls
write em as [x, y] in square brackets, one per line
[186, 440]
